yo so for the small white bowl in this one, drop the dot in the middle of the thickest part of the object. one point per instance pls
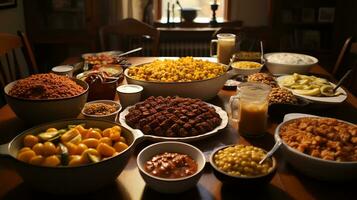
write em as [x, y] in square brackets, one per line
[285, 68]
[129, 94]
[166, 185]
[110, 117]
[247, 72]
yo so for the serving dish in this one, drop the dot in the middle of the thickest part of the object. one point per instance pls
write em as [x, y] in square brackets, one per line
[171, 185]
[242, 181]
[312, 166]
[69, 180]
[111, 116]
[223, 115]
[246, 71]
[321, 100]
[286, 68]
[36, 111]
[202, 89]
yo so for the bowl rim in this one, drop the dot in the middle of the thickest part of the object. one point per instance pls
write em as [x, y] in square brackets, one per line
[105, 102]
[272, 170]
[199, 170]
[26, 132]
[306, 64]
[291, 149]
[85, 86]
[126, 74]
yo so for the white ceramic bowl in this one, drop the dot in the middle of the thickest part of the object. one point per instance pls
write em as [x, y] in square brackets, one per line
[286, 68]
[110, 117]
[202, 89]
[44, 110]
[165, 185]
[316, 167]
[247, 72]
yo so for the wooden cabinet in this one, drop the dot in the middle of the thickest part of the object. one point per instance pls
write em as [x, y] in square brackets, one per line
[306, 26]
[60, 28]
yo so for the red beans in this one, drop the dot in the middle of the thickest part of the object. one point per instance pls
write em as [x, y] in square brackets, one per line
[171, 165]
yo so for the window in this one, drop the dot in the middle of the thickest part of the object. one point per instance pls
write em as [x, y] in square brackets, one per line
[204, 13]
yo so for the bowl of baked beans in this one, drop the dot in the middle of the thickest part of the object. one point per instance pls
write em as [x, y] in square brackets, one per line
[171, 167]
[320, 147]
[46, 97]
[239, 165]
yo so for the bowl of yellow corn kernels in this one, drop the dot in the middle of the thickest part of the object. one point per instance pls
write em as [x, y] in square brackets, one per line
[70, 156]
[185, 77]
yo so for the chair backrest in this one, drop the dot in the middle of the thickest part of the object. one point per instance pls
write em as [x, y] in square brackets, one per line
[12, 48]
[130, 33]
[346, 48]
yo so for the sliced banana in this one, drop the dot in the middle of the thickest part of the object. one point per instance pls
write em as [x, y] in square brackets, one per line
[311, 92]
[327, 90]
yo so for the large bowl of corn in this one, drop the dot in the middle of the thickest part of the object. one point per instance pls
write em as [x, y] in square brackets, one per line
[185, 77]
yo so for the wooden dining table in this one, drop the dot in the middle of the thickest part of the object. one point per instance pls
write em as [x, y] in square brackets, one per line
[287, 183]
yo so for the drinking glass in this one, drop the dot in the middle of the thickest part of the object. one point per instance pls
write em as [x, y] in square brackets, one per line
[251, 104]
[225, 47]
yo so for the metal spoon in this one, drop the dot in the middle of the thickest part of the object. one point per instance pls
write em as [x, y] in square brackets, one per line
[341, 80]
[271, 152]
[262, 52]
[131, 51]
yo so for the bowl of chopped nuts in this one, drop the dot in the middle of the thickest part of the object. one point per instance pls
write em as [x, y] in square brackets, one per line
[102, 109]
[283, 101]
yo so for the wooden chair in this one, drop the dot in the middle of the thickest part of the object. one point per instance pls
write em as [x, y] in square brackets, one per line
[14, 51]
[130, 33]
[342, 56]
[347, 59]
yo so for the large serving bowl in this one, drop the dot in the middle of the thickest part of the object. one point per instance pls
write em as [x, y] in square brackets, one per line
[36, 111]
[166, 185]
[202, 89]
[69, 180]
[316, 167]
[289, 68]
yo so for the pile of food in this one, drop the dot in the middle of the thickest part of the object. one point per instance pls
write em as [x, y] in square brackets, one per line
[181, 70]
[325, 138]
[71, 146]
[241, 160]
[46, 86]
[173, 117]
[308, 85]
[277, 95]
[171, 165]
[290, 58]
[99, 109]
[263, 78]
[246, 65]
[281, 96]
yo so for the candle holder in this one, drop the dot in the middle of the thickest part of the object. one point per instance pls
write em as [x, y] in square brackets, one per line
[214, 8]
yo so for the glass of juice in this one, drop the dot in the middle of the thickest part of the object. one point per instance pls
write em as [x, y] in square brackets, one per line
[226, 45]
[251, 104]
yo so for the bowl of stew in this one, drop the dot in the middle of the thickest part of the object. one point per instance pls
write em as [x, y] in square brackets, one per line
[171, 167]
[239, 165]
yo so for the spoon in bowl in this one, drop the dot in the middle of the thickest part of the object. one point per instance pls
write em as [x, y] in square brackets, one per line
[341, 81]
[271, 152]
